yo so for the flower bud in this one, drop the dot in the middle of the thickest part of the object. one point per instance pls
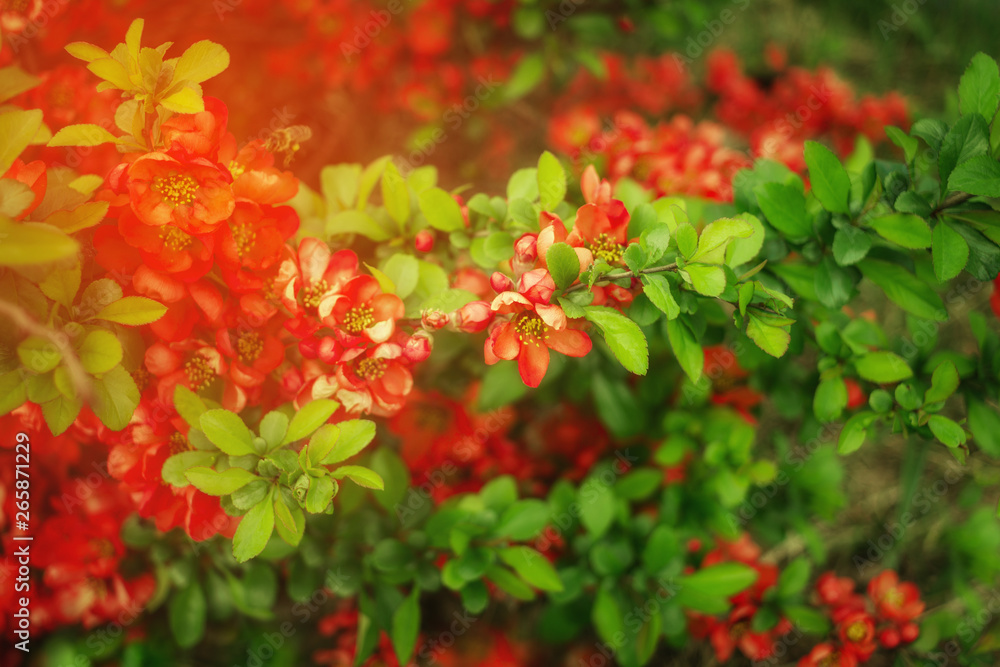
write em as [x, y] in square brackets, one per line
[525, 249]
[418, 346]
[889, 638]
[433, 319]
[909, 632]
[473, 317]
[501, 283]
[424, 241]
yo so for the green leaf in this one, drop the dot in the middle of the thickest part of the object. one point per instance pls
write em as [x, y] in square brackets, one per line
[62, 285]
[273, 428]
[785, 208]
[793, 578]
[852, 436]
[706, 280]
[509, 583]
[406, 627]
[597, 506]
[850, 245]
[100, 352]
[227, 432]
[17, 129]
[38, 355]
[174, 467]
[526, 76]
[623, 336]
[369, 177]
[904, 141]
[13, 392]
[903, 229]
[355, 222]
[187, 612]
[360, 476]
[686, 348]
[312, 415]
[977, 176]
[772, 338]
[904, 289]
[563, 264]
[984, 422]
[189, 405]
[355, 435]
[883, 367]
[946, 430]
[657, 288]
[968, 138]
[830, 399]
[395, 195]
[979, 88]
[27, 243]
[807, 619]
[320, 494]
[551, 181]
[523, 520]
[441, 210]
[115, 398]
[290, 521]
[830, 181]
[60, 412]
[132, 311]
[722, 580]
[715, 238]
[608, 618]
[984, 255]
[533, 567]
[742, 250]
[834, 285]
[950, 252]
[254, 530]
[687, 240]
[216, 483]
[944, 382]
[404, 272]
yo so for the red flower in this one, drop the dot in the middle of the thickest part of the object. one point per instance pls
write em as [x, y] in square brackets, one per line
[895, 601]
[364, 313]
[198, 133]
[310, 285]
[254, 175]
[169, 188]
[536, 327]
[827, 655]
[252, 240]
[168, 248]
[857, 632]
[834, 590]
[735, 632]
[253, 352]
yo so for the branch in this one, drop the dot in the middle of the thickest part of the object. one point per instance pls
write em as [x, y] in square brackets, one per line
[624, 274]
[954, 200]
[77, 375]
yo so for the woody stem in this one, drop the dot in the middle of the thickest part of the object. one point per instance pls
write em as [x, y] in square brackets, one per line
[625, 274]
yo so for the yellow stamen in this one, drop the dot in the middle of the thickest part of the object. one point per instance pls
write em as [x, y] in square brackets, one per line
[531, 329]
[199, 373]
[372, 369]
[249, 346]
[359, 318]
[176, 189]
[606, 248]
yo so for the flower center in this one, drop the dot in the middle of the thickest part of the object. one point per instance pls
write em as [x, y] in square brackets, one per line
[103, 547]
[178, 443]
[893, 597]
[236, 169]
[359, 318]
[174, 239]
[606, 248]
[176, 189]
[739, 629]
[244, 236]
[313, 294]
[199, 373]
[856, 631]
[142, 378]
[372, 369]
[249, 346]
[60, 96]
[531, 329]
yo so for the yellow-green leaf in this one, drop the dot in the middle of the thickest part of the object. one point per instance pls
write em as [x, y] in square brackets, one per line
[86, 51]
[111, 71]
[14, 81]
[27, 243]
[100, 352]
[133, 311]
[201, 61]
[81, 217]
[188, 100]
[15, 197]
[17, 128]
[61, 285]
[85, 134]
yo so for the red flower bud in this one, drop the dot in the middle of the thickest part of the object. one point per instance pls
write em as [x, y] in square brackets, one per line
[855, 397]
[501, 283]
[432, 320]
[418, 346]
[889, 638]
[424, 241]
[909, 632]
[525, 249]
[473, 317]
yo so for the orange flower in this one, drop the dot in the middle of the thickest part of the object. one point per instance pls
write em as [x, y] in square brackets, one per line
[894, 600]
[364, 313]
[251, 240]
[194, 194]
